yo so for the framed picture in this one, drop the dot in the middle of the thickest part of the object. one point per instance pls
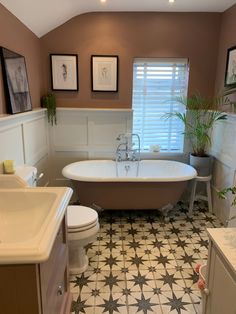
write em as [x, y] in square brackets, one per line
[64, 72]
[104, 73]
[15, 82]
[230, 72]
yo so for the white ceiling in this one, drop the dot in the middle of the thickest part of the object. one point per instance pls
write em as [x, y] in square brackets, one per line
[42, 16]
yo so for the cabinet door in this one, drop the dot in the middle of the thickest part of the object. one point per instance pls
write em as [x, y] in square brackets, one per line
[53, 275]
[19, 289]
[222, 288]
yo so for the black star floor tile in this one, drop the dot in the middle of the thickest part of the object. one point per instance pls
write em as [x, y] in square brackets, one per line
[111, 281]
[82, 303]
[111, 261]
[141, 280]
[144, 302]
[154, 233]
[169, 279]
[140, 263]
[111, 303]
[182, 225]
[158, 245]
[110, 246]
[84, 282]
[176, 302]
[163, 260]
[135, 261]
[134, 245]
[180, 244]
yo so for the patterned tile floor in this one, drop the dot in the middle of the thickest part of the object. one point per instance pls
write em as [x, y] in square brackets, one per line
[142, 264]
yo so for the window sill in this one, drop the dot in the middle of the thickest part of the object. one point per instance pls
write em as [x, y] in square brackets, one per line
[162, 155]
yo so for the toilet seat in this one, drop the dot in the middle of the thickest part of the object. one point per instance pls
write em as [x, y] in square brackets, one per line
[81, 218]
[77, 230]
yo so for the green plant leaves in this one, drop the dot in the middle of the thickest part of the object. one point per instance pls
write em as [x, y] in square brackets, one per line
[49, 101]
[200, 116]
[222, 194]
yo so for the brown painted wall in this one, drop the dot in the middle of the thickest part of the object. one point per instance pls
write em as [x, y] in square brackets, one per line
[17, 37]
[227, 39]
[129, 35]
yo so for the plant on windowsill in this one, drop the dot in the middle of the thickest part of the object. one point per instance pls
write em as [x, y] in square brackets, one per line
[199, 116]
[48, 101]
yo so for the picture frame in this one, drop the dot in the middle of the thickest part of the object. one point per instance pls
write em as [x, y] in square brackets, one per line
[104, 73]
[15, 82]
[230, 71]
[64, 72]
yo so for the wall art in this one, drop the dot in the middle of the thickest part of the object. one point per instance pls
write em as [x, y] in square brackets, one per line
[64, 72]
[15, 82]
[230, 72]
[104, 72]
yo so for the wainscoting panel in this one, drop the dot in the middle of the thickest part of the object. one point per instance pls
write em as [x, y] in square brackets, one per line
[35, 140]
[24, 139]
[12, 144]
[85, 134]
[224, 151]
[104, 129]
[71, 131]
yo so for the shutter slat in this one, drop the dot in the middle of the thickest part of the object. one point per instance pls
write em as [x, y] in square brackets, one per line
[156, 82]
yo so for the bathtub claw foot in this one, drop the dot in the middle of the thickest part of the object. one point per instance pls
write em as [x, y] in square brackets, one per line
[165, 212]
[166, 219]
[96, 207]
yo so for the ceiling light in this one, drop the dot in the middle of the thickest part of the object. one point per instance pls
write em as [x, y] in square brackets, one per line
[171, 1]
[103, 1]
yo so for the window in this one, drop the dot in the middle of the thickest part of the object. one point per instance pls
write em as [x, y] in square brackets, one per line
[156, 83]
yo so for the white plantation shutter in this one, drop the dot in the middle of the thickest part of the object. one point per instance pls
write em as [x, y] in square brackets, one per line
[156, 82]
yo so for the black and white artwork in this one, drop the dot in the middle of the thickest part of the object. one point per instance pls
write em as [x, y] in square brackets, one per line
[230, 73]
[104, 73]
[15, 82]
[64, 74]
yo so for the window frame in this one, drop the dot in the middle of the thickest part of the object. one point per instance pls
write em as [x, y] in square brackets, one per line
[185, 61]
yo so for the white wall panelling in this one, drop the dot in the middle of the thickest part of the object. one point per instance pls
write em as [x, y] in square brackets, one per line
[91, 134]
[12, 144]
[85, 134]
[23, 138]
[35, 140]
[224, 151]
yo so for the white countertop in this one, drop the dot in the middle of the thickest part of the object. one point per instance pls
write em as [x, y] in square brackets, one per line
[225, 241]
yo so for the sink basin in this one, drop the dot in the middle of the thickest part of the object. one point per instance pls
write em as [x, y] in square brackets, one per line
[29, 222]
[23, 213]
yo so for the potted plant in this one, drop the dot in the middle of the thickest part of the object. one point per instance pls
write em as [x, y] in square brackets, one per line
[198, 116]
[49, 101]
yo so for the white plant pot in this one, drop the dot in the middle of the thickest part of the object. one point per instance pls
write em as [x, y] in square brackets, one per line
[203, 165]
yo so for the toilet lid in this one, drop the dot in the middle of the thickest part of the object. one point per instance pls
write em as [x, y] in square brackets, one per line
[80, 216]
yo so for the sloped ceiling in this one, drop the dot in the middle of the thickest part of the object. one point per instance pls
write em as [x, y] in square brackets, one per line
[42, 16]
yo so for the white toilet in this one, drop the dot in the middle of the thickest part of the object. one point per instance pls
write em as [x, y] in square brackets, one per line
[83, 225]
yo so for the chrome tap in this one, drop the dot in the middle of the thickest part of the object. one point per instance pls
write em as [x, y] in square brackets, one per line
[125, 150]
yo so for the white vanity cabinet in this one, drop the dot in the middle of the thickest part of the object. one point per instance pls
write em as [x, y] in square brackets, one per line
[221, 273]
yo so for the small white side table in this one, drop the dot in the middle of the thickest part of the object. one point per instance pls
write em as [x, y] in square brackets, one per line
[194, 197]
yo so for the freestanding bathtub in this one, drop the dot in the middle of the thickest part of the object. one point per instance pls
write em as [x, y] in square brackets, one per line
[149, 184]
